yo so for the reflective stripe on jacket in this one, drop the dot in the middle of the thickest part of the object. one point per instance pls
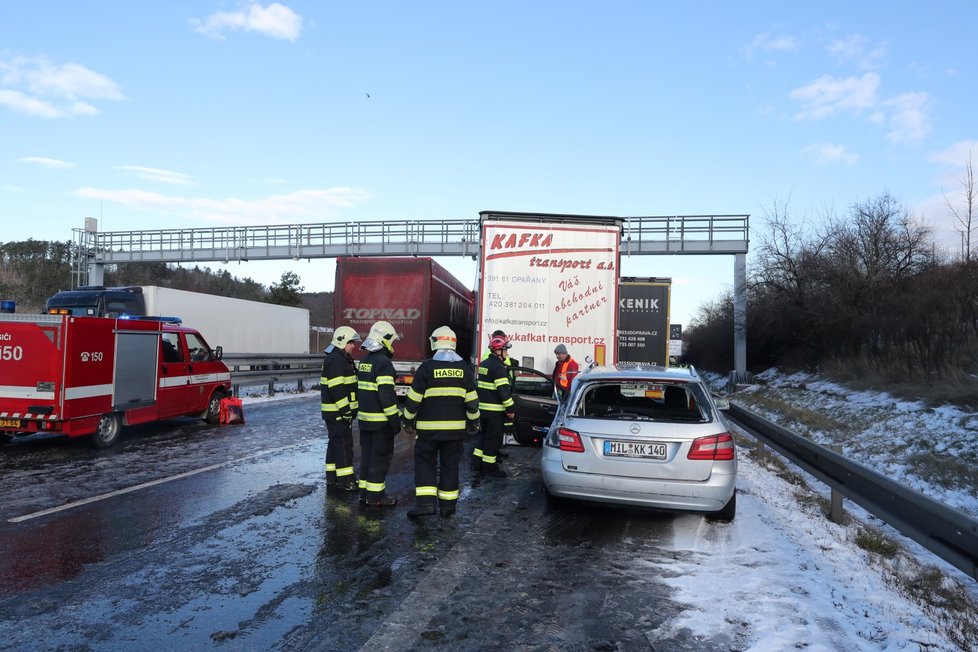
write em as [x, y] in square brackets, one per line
[442, 399]
[338, 386]
[495, 391]
[375, 391]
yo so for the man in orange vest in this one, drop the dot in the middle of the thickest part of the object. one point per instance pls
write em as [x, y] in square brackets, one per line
[564, 371]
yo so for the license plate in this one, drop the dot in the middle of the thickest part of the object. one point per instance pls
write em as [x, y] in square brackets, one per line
[649, 451]
[9, 423]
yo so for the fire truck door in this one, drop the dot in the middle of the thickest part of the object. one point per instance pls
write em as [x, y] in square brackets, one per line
[174, 389]
[135, 370]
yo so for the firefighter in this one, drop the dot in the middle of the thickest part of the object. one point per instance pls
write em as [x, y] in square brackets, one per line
[378, 416]
[338, 390]
[442, 406]
[495, 408]
[509, 425]
[564, 371]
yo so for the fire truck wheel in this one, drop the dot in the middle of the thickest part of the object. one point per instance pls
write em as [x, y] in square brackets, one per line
[108, 431]
[213, 415]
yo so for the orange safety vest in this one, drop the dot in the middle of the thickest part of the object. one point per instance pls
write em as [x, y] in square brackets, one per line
[561, 375]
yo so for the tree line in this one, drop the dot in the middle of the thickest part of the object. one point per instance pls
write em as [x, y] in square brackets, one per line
[33, 270]
[869, 292]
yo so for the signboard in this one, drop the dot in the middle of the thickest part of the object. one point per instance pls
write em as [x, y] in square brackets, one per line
[676, 341]
[643, 320]
[550, 282]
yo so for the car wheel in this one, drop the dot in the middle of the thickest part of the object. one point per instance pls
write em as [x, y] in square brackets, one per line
[107, 433]
[213, 415]
[727, 512]
[554, 501]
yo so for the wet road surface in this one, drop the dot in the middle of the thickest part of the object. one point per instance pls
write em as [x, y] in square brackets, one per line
[189, 536]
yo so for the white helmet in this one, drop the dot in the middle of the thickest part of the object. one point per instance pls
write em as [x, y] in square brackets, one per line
[443, 338]
[381, 334]
[343, 336]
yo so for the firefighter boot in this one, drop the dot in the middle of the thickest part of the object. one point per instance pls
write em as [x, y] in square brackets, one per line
[492, 470]
[476, 463]
[379, 500]
[447, 508]
[349, 483]
[426, 509]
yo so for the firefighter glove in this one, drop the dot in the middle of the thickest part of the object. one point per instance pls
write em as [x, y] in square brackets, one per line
[510, 416]
[395, 424]
[472, 427]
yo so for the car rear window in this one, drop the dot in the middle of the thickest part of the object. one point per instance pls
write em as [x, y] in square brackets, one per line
[656, 401]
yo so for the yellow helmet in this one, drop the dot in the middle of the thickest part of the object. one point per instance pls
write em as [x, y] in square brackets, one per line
[380, 333]
[443, 338]
[343, 336]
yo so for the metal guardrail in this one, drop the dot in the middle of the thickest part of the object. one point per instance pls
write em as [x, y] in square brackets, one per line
[250, 369]
[948, 533]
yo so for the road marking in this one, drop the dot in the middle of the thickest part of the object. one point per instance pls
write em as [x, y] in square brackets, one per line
[153, 483]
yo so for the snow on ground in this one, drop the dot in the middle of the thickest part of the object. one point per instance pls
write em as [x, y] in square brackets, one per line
[782, 577]
[931, 450]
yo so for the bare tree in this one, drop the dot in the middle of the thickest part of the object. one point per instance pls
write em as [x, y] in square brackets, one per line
[965, 216]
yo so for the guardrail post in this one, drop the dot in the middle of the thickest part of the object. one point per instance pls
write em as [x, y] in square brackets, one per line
[759, 450]
[271, 388]
[837, 514]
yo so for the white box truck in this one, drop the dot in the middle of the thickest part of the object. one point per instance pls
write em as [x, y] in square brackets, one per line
[550, 279]
[237, 325]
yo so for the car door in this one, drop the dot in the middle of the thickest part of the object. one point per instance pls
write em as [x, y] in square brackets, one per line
[536, 404]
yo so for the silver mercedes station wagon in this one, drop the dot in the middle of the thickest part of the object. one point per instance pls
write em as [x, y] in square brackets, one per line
[642, 436]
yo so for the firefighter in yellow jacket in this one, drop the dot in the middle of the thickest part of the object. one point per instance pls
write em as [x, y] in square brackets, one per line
[441, 407]
[378, 417]
[338, 404]
[495, 406]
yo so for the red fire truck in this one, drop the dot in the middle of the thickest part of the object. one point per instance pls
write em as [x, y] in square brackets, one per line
[81, 376]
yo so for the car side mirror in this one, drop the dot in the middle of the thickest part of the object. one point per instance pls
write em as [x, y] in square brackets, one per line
[722, 403]
[218, 352]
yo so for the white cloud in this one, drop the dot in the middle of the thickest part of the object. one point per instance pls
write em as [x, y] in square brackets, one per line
[38, 87]
[827, 96]
[295, 207]
[857, 49]
[909, 122]
[957, 154]
[69, 81]
[155, 174]
[30, 105]
[48, 162]
[275, 20]
[828, 154]
[770, 42]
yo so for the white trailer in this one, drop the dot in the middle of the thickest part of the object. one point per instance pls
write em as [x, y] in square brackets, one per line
[547, 280]
[237, 325]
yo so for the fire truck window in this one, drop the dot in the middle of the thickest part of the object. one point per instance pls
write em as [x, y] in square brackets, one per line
[198, 348]
[171, 348]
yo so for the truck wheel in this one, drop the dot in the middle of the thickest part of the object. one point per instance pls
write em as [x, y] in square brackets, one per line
[108, 431]
[213, 414]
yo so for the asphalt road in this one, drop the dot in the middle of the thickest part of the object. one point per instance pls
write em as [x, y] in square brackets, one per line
[188, 536]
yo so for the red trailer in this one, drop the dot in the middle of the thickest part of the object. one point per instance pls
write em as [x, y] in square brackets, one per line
[80, 376]
[416, 295]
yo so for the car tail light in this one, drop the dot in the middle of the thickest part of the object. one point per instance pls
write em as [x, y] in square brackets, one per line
[714, 447]
[570, 441]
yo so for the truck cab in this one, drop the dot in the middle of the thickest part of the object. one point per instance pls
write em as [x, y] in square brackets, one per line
[98, 301]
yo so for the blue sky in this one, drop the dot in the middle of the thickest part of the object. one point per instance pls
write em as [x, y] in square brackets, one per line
[196, 114]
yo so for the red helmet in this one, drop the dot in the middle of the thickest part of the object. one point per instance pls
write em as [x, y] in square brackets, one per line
[497, 343]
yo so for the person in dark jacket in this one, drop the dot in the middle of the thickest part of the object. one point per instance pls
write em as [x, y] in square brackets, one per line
[338, 404]
[495, 408]
[441, 407]
[378, 417]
